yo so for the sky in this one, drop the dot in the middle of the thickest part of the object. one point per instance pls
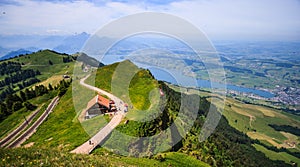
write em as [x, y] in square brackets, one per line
[219, 19]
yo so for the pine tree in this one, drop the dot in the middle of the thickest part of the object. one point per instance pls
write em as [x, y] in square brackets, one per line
[23, 96]
[50, 87]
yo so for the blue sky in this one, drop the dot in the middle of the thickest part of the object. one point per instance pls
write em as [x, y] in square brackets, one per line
[219, 19]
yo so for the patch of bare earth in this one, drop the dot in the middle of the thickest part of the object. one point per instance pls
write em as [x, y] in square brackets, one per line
[28, 145]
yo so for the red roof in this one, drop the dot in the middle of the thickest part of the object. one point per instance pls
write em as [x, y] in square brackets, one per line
[102, 100]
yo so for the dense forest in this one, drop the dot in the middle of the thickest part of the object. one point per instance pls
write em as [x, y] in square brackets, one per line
[14, 76]
[286, 128]
[225, 147]
[9, 67]
[17, 101]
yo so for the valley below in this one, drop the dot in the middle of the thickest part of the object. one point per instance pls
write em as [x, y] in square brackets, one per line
[265, 125]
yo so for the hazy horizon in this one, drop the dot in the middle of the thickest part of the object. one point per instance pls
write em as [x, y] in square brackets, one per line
[265, 20]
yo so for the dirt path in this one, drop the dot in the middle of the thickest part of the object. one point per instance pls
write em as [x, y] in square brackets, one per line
[251, 117]
[100, 137]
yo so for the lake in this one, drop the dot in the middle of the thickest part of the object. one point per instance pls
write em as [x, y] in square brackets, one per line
[175, 77]
[179, 79]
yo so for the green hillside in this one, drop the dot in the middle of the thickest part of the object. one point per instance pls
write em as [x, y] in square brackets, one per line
[114, 78]
[48, 62]
[149, 115]
[133, 85]
[256, 121]
[62, 132]
[26, 70]
[29, 80]
[36, 156]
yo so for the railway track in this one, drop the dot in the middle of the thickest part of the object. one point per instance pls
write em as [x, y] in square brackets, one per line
[30, 131]
[18, 130]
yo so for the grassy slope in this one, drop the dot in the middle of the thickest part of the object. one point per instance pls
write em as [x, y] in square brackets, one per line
[238, 114]
[60, 132]
[109, 74]
[121, 78]
[60, 129]
[55, 157]
[38, 61]
[12, 121]
[93, 125]
[54, 80]
[277, 155]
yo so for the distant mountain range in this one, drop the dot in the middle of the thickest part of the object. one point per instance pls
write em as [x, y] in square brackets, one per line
[15, 53]
[14, 45]
[72, 44]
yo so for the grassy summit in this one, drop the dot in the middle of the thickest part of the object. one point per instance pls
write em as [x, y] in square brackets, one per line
[48, 62]
[51, 65]
[134, 85]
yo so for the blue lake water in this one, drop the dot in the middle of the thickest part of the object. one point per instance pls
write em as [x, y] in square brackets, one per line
[177, 78]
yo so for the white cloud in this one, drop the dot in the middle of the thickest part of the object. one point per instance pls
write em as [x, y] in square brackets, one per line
[231, 18]
[257, 19]
[78, 16]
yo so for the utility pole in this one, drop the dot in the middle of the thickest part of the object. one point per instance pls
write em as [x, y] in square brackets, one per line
[26, 120]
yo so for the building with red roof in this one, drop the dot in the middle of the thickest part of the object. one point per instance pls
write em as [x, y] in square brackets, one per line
[99, 105]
